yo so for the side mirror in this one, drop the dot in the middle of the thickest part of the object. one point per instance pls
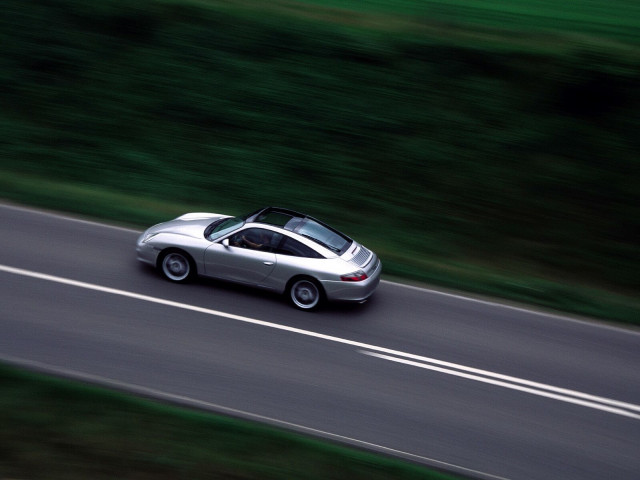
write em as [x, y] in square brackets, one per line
[225, 242]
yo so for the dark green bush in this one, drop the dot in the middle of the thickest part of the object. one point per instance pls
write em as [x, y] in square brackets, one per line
[506, 152]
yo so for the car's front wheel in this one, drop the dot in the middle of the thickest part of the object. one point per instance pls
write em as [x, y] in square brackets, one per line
[305, 294]
[176, 266]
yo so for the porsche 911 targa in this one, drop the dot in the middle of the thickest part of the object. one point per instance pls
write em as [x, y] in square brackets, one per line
[273, 248]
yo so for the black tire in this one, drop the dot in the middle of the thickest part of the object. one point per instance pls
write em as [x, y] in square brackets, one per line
[176, 266]
[305, 293]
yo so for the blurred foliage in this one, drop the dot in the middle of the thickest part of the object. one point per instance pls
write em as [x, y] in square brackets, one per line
[454, 137]
[611, 20]
[57, 429]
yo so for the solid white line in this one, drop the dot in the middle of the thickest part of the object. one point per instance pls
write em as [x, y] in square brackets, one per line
[516, 380]
[560, 393]
[67, 217]
[212, 407]
[533, 391]
[530, 310]
[594, 322]
[489, 303]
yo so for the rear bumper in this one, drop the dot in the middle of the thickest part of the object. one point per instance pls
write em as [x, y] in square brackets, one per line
[353, 291]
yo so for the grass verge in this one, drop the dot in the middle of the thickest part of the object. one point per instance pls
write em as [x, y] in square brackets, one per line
[483, 279]
[485, 147]
[58, 429]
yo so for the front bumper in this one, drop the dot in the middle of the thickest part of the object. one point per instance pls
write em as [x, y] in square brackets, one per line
[145, 252]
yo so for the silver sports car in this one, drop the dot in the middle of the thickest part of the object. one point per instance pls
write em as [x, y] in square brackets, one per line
[273, 248]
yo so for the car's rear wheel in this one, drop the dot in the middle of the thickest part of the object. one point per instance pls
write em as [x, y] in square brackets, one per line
[176, 266]
[305, 294]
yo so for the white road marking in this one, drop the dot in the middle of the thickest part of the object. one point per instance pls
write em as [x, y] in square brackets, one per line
[514, 386]
[549, 391]
[458, 296]
[592, 322]
[67, 217]
[212, 407]
[505, 378]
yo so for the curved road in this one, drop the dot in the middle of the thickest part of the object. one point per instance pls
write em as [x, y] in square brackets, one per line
[478, 388]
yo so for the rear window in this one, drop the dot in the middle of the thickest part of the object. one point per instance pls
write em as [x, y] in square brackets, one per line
[323, 235]
[306, 226]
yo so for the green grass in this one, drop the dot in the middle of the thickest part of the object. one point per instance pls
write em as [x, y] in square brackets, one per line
[57, 429]
[486, 146]
[618, 19]
[96, 202]
[469, 151]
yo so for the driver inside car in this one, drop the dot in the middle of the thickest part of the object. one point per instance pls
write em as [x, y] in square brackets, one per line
[251, 239]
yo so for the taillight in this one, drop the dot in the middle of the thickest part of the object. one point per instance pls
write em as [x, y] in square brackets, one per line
[354, 277]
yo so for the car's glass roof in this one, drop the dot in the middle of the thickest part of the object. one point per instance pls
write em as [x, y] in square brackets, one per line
[304, 225]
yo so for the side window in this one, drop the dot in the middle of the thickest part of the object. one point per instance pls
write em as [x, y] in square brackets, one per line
[296, 249]
[256, 239]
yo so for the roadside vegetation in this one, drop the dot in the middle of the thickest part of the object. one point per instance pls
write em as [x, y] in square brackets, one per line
[486, 147]
[58, 429]
[490, 147]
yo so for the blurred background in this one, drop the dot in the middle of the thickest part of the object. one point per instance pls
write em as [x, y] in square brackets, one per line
[485, 147]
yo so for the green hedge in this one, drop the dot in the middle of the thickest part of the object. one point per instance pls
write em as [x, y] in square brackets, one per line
[437, 142]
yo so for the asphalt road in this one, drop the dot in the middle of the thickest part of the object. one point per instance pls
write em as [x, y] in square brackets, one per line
[483, 389]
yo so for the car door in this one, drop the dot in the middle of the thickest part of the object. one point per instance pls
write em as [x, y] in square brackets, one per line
[248, 257]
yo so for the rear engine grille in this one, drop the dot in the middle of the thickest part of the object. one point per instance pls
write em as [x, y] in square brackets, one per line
[361, 257]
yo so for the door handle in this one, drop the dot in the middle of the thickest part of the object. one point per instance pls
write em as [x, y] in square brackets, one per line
[268, 263]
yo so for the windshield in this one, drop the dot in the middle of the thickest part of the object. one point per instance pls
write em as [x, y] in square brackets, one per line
[223, 226]
[325, 236]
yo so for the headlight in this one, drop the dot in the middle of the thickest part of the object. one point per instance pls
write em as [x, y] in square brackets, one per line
[148, 237]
